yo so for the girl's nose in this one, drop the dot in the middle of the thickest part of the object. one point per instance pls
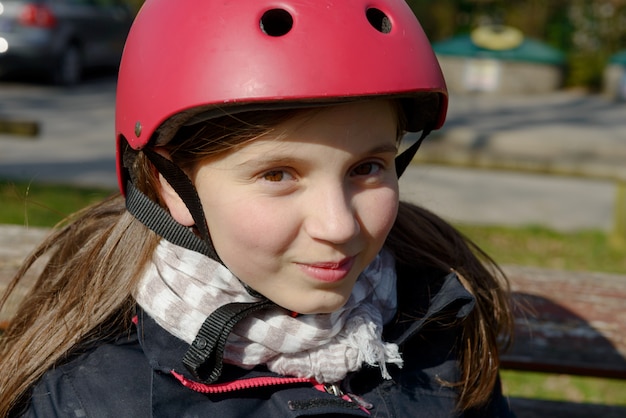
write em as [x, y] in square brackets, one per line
[331, 216]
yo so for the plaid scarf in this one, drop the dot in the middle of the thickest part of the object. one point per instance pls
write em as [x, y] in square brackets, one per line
[180, 288]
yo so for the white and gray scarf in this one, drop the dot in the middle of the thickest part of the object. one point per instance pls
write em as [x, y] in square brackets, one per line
[181, 288]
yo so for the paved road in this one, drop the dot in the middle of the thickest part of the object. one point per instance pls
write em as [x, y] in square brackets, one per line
[75, 145]
[505, 198]
[76, 130]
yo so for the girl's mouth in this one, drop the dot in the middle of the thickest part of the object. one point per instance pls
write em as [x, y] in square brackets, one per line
[328, 272]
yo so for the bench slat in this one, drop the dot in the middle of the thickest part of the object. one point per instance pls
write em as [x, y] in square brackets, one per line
[568, 322]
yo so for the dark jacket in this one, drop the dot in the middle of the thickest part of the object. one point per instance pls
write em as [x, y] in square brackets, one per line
[140, 374]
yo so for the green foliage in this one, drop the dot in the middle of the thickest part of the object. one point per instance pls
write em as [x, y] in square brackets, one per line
[135, 4]
[585, 69]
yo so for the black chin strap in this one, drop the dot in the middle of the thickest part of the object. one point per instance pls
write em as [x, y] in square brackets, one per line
[403, 160]
[204, 358]
[161, 222]
[183, 186]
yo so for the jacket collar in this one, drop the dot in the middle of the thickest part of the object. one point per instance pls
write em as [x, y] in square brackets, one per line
[451, 299]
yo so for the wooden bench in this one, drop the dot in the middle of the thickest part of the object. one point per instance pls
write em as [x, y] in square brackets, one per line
[16, 242]
[568, 323]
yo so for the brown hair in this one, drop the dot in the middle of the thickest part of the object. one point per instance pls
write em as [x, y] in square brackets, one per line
[76, 303]
[420, 238]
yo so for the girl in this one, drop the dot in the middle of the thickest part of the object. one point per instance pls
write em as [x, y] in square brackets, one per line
[258, 261]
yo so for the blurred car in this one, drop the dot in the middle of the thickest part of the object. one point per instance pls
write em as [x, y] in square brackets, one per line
[62, 38]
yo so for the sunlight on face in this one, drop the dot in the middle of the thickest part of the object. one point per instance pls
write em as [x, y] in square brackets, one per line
[299, 213]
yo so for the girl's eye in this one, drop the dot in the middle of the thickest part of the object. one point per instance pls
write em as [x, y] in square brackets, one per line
[275, 176]
[367, 169]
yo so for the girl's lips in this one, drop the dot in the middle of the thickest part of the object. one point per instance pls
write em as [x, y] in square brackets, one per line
[328, 272]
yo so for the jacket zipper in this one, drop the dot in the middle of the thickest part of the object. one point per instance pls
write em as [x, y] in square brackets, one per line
[251, 383]
[257, 382]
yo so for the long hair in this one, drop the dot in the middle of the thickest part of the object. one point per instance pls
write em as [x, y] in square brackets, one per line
[95, 259]
[82, 294]
[421, 239]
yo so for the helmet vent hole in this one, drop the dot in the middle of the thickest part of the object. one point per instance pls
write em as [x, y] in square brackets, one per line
[378, 20]
[276, 22]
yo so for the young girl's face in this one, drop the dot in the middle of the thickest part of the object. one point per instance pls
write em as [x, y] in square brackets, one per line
[299, 213]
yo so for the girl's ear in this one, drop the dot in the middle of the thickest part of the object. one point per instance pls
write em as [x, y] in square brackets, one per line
[177, 208]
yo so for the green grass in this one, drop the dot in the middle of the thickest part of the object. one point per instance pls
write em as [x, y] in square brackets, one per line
[564, 388]
[542, 247]
[45, 205]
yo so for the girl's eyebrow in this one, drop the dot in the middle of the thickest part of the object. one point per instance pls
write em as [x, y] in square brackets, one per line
[383, 149]
[269, 161]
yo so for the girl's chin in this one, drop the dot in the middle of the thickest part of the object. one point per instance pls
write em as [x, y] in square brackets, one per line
[324, 306]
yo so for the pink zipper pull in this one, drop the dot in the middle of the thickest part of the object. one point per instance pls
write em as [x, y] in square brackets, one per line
[363, 404]
[334, 389]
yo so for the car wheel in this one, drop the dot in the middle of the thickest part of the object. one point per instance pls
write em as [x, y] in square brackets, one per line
[69, 69]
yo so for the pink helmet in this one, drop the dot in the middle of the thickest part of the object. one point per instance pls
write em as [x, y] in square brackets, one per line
[185, 57]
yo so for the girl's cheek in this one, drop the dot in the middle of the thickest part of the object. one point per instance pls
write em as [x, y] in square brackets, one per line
[387, 203]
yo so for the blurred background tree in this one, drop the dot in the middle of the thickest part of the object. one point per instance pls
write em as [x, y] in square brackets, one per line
[135, 4]
[587, 31]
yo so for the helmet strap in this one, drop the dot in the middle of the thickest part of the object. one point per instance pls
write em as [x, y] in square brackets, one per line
[404, 159]
[159, 220]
